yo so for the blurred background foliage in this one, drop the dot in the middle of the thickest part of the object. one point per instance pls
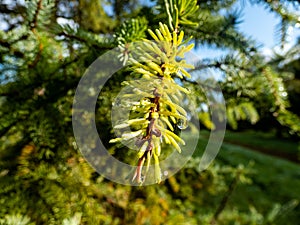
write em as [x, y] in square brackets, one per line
[45, 47]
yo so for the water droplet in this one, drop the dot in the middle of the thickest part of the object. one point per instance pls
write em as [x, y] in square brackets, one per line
[182, 124]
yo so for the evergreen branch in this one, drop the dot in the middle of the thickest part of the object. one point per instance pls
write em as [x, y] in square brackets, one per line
[34, 22]
[4, 130]
[240, 62]
[241, 111]
[276, 89]
[157, 62]
[280, 102]
[84, 37]
[37, 57]
[220, 31]
[39, 13]
[8, 43]
[206, 86]
[216, 5]
[179, 13]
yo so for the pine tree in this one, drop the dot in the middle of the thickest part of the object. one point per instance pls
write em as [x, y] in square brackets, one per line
[44, 179]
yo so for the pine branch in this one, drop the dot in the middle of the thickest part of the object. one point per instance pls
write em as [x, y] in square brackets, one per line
[34, 22]
[216, 5]
[87, 38]
[157, 62]
[220, 31]
[4, 130]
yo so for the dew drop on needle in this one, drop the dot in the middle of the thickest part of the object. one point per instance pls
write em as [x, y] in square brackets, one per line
[182, 124]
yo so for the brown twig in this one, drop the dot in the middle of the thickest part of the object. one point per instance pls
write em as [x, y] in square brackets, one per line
[33, 24]
[151, 130]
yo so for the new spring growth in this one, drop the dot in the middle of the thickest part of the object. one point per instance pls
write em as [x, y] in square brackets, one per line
[152, 120]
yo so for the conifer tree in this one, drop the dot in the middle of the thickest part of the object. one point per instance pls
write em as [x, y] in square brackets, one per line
[44, 178]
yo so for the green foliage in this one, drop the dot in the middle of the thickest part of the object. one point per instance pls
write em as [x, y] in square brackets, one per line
[75, 220]
[243, 111]
[92, 17]
[280, 102]
[179, 11]
[130, 31]
[39, 12]
[252, 88]
[15, 220]
[84, 37]
[44, 179]
[264, 181]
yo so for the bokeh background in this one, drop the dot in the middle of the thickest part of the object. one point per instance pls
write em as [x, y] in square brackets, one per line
[251, 47]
